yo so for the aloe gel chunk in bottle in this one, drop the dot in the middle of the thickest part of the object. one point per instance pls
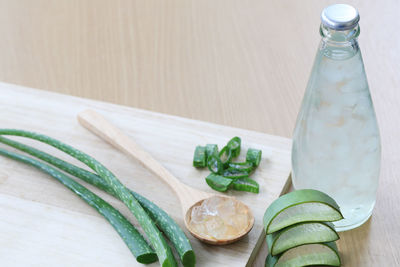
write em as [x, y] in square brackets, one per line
[336, 144]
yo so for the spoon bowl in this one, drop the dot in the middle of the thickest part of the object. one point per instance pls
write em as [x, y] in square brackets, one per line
[188, 196]
[223, 241]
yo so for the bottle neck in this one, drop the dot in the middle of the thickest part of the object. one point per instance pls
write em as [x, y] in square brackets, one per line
[339, 45]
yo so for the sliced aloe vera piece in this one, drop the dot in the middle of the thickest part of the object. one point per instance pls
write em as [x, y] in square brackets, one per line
[246, 184]
[200, 157]
[311, 254]
[306, 205]
[300, 234]
[235, 174]
[234, 146]
[214, 164]
[241, 166]
[254, 156]
[225, 155]
[211, 149]
[218, 182]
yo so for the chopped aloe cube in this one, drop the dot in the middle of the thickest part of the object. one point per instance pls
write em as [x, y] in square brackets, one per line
[253, 156]
[240, 166]
[214, 164]
[211, 149]
[225, 155]
[218, 182]
[300, 234]
[235, 174]
[311, 254]
[246, 184]
[199, 158]
[300, 206]
[234, 146]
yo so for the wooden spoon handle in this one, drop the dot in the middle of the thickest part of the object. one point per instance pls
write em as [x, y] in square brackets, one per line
[108, 132]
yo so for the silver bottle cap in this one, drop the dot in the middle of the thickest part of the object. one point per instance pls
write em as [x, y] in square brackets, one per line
[340, 17]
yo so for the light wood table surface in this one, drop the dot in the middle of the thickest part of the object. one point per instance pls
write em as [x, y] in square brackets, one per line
[238, 63]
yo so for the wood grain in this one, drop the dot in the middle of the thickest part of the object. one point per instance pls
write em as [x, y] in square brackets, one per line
[170, 140]
[238, 63]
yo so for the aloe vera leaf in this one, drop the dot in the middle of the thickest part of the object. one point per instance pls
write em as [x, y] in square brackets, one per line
[170, 228]
[158, 242]
[132, 238]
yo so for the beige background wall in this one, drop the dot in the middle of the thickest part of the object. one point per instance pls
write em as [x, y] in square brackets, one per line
[242, 63]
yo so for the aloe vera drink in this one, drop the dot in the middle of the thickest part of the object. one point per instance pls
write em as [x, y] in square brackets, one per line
[336, 144]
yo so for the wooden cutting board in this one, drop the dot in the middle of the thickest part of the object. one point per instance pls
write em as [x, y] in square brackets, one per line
[43, 224]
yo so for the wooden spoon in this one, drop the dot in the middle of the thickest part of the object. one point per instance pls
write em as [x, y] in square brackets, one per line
[188, 196]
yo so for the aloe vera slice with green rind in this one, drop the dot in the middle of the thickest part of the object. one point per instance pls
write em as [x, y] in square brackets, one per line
[169, 227]
[132, 238]
[214, 164]
[241, 166]
[234, 145]
[200, 157]
[325, 254]
[225, 156]
[155, 237]
[254, 156]
[246, 184]
[300, 234]
[211, 149]
[218, 183]
[300, 206]
[234, 175]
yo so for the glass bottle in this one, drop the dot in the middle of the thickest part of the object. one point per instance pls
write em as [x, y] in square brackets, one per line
[336, 144]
